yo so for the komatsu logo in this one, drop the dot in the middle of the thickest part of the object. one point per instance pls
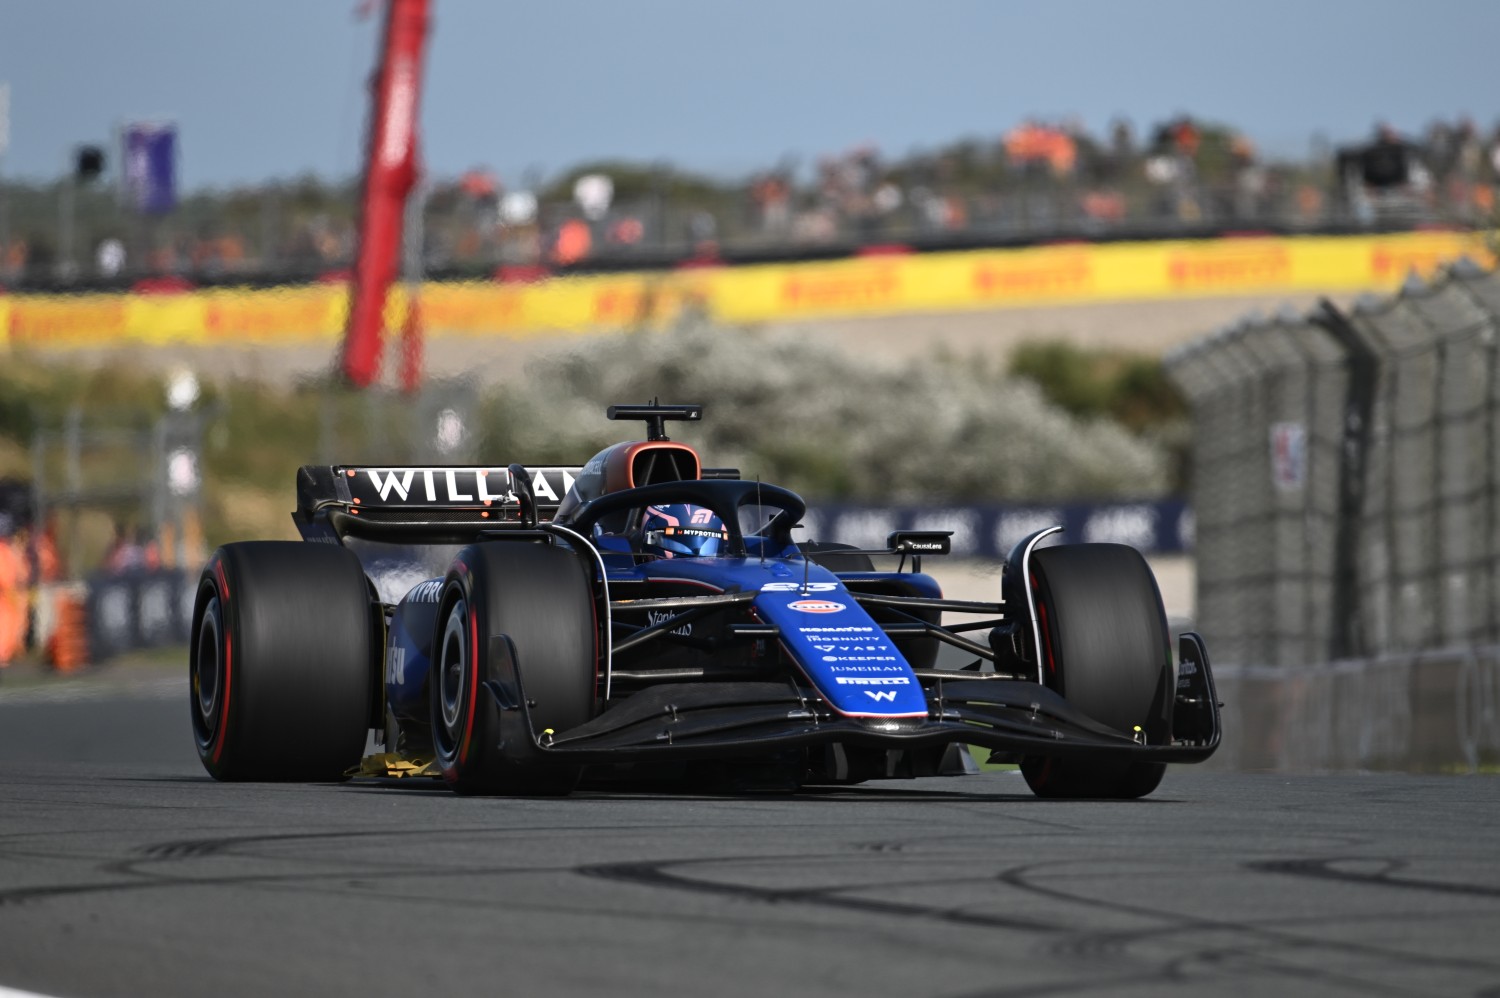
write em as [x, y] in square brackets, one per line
[395, 665]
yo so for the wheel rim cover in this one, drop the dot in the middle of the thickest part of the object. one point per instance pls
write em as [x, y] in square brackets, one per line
[453, 667]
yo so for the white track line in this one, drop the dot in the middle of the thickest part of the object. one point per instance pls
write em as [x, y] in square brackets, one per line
[6, 992]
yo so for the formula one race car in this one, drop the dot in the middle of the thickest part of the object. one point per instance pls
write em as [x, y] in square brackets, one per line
[642, 617]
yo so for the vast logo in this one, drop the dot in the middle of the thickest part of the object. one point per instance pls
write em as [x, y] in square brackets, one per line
[816, 606]
[887, 695]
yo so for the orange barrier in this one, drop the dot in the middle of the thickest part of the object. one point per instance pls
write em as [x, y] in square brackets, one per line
[866, 285]
[67, 645]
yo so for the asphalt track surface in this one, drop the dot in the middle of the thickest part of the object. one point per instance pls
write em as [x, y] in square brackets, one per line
[125, 871]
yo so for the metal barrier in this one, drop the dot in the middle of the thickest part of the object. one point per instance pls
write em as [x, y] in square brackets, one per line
[1154, 526]
[140, 609]
[1345, 487]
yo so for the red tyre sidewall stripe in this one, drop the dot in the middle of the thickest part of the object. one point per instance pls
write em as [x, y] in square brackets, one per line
[473, 678]
[224, 712]
[1041, 612]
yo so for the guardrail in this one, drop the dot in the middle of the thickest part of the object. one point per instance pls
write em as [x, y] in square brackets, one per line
[1348, 521]
[1154, 526]
[134, 610]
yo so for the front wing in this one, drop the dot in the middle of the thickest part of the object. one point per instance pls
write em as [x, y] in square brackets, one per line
[723, 719]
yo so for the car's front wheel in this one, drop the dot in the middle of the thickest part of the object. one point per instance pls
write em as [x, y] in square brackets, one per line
[539, 598]
[1106, 648]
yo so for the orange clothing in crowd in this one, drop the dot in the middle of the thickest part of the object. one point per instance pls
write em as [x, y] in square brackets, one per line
[573, 242]
[48, 558]
[15, 583]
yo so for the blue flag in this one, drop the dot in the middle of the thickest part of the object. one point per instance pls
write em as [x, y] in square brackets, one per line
[151, 167]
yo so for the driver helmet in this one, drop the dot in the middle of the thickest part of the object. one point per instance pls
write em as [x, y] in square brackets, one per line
[681, 529]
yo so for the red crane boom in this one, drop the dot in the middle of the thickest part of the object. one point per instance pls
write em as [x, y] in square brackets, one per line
[391, 166]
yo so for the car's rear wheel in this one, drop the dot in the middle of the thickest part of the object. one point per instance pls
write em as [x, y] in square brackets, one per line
[282, 662]
[1106, 648]
[540, 599]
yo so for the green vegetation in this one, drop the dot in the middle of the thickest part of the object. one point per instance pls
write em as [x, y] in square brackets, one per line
[830, 425]
[1132, 389]
[1129, 389]
[784, 408]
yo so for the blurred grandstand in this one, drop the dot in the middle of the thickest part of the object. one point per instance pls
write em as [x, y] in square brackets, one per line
[1037, 183]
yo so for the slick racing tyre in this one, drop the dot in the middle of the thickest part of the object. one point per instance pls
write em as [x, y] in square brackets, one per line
[282, 662]
[539, 598]
[1106, 648]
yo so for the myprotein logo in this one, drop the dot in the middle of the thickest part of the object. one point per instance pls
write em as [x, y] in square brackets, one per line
[816, 606]
[426, 592]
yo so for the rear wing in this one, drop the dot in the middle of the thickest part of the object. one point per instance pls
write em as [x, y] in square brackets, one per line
[433, 503]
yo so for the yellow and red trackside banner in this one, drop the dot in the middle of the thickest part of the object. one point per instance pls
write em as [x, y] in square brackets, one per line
[877, 285]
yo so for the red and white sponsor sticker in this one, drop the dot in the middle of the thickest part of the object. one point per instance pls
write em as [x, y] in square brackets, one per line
[816, 606]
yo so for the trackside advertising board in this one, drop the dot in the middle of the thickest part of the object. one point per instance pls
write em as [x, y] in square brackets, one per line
[925, 282]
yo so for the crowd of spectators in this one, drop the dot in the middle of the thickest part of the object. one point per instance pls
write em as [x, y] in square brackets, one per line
[1039, 180]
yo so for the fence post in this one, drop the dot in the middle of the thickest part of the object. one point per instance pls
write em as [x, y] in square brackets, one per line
[1483, 290]
[1363, 363]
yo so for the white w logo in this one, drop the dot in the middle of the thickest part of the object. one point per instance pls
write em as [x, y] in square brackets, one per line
[882, 695]
[402, 487]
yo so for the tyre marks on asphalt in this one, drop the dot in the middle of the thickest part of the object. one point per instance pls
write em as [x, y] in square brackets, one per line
[1369, 871]
[841, 896]
[941, 879]
[1249, 948]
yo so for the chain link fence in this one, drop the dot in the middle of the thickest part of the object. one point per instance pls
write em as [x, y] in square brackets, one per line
[1348, 530]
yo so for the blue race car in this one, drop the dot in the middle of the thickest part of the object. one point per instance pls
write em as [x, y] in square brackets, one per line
[643, 618]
